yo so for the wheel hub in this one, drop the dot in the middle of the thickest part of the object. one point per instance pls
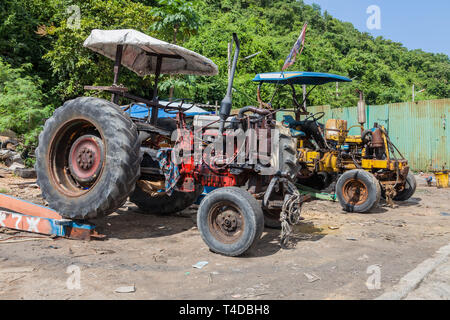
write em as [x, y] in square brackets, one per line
[86, 158]
[228, 221]
[355, 192]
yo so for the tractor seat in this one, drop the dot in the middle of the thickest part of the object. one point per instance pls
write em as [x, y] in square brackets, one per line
[291, 123]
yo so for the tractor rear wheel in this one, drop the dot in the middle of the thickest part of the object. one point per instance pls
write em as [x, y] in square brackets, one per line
[358, 191]
[88, 158]
[409, 190]
[272, 219]
[288, 161]
[230, 220]
[161, 203]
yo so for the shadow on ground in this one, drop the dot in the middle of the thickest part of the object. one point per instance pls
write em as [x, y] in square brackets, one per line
[130, 223]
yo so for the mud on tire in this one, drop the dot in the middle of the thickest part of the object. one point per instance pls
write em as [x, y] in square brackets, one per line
[102, 129]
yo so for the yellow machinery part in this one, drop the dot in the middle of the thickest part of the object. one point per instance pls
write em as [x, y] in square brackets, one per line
[336, 130]
[383, 164]
[441, 179]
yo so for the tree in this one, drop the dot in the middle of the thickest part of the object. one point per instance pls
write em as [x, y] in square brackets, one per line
[175, 19]
[21, 102]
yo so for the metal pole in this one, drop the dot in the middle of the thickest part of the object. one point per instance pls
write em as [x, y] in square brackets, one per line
[304, 96]
[230, 49]
[154, 117]
[117, 64]
[413, 93]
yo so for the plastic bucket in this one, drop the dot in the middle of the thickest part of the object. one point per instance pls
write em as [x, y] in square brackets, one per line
[441, 179]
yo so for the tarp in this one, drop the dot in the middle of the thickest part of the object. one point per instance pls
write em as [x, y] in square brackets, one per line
[299, 77]
[139, 110]
[138, 46]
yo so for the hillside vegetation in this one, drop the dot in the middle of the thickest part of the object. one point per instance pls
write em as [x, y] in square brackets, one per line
[43, 62]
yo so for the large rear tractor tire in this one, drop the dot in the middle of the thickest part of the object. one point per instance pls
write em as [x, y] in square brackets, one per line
[288, 161]
[161, 203]
[88, 158]
[358, 191]
[230, 220]
[409, 190]
[272, 219]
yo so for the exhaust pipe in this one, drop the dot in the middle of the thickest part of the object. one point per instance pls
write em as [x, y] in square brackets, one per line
[225, 105]
[361, 109]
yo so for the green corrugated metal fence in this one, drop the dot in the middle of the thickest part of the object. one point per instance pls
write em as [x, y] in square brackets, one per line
[420, 130]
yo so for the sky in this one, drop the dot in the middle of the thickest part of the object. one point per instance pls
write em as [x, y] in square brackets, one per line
[416, 24]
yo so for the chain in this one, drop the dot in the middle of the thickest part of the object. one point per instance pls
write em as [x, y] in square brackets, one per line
[290, 214]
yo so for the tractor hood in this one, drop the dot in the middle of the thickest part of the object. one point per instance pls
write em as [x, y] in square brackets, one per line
[140, 53]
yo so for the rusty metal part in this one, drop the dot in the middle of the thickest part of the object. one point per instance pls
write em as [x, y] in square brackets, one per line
[390, 193]
[62, 157]
[262, 104]
[26, 216]
[226, 222]
[263, 112]
[377, 138]
[86, 158]
[122, 91]
[355, 192]
[291, 205]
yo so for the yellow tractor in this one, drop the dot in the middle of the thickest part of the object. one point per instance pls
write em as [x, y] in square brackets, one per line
[358, 169]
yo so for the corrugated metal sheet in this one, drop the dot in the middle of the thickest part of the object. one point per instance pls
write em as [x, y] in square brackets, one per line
[421, 130]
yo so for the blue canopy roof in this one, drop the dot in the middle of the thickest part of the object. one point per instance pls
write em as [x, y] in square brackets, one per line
[139, 110]
[299, 77]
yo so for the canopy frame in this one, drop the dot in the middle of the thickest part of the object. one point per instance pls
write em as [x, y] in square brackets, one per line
[127, 47]
[292, 79]
[118, 90]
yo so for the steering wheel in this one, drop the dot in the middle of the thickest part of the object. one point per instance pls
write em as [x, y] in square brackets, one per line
[179, 108]
[316, 116]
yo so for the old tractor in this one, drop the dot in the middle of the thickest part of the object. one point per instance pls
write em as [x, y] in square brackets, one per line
[93, 154]
[360, 169]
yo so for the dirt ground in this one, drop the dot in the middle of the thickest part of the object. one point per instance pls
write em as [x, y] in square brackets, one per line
[333, 253]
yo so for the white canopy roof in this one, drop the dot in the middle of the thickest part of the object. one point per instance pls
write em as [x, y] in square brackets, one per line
[138, 49]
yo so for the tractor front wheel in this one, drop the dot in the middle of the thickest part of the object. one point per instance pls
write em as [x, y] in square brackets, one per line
[358, 191]
[230, 220]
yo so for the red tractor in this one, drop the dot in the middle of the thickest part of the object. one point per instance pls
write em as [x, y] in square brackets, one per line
[93, 154]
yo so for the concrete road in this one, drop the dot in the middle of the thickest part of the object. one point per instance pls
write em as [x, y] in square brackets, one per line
[435, 286]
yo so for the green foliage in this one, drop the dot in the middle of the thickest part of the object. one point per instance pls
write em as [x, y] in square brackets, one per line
[44, 62]
[175, 19]
[19, 42]
[383, 69]
[75, 66]
[5, 191]
[21, 102]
